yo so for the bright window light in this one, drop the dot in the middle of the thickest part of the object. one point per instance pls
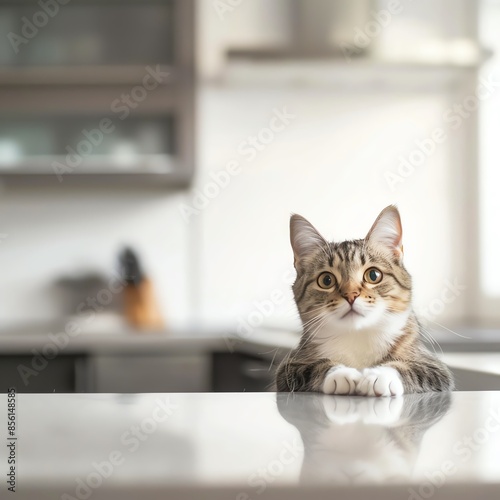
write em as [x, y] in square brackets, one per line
[489, 155]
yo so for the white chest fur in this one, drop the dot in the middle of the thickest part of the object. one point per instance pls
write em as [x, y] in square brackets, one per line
[359, 348]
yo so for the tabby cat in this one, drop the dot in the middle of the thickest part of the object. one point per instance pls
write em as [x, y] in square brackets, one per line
[360, 335]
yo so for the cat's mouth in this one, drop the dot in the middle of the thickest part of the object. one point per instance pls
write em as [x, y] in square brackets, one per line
[351, 314]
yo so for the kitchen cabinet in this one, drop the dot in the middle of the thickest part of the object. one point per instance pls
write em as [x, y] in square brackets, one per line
[29, 374]
[82, 100]
[181, 372]
[134, 364]
[133, 373]
[236, 372]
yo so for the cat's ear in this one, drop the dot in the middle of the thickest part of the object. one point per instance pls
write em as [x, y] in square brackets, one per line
[388, 231]
[304, 238]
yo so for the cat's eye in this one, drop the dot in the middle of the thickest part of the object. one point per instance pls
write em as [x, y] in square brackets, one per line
[326, 280]
[373, 276]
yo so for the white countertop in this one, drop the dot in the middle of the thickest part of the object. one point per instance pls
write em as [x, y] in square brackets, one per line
[223, 445]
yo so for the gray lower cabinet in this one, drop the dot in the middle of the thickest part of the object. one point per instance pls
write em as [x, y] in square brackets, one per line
[31, 374]
[136, 373]
[151, 373]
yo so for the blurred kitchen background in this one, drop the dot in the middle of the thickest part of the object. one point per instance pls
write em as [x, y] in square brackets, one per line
[151, 153]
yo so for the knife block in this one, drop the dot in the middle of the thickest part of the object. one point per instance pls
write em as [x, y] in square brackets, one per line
[141, 307]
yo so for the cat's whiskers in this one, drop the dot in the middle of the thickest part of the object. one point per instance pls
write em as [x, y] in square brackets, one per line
[321, 325]
[317, 327]
[321, 308]
[309, 311]
[428, 335]
[272, 360]
[290, 359]
[293, 311]
[311, 323]
[451, 331]
[313, 329]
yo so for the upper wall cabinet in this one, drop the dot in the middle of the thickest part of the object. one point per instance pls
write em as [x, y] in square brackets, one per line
[97, 91]
[90, 33]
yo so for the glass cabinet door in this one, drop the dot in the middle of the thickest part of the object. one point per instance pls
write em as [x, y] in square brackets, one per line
[87, 144]
[92, 32]
[64, 64]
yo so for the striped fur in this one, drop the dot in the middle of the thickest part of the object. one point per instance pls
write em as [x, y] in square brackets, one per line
[360, 336]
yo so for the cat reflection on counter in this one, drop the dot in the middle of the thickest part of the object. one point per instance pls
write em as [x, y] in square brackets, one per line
[350, 440]
[360, 335]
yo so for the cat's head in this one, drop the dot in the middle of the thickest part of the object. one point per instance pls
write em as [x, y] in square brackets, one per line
[351, 285]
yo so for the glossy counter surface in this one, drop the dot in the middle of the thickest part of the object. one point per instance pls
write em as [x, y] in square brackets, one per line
[129, 341]
[260, 445]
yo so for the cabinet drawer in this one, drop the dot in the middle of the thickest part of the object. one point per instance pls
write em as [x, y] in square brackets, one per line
[152, 373]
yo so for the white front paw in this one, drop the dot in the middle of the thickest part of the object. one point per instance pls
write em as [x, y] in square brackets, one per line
[341, 380]
[380, 381]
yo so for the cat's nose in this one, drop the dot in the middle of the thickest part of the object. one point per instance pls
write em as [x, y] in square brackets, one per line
[351, 297]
